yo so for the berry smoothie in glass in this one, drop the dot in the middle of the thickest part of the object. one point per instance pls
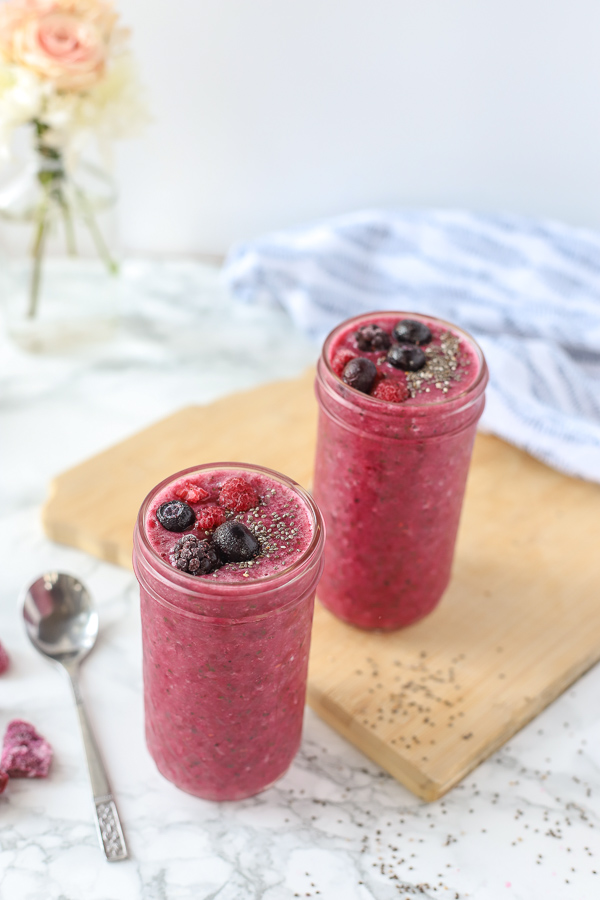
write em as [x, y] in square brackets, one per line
[228, 557]
[399, 395]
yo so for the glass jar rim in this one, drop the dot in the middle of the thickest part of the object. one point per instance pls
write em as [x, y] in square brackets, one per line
[171, 575]
[482, 374]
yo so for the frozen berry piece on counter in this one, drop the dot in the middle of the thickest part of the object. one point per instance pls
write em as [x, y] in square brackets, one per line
[210, 517]
[372, 337]
[360, 373]
[235, 542]
[3, 781]
[194, 556]
[4, 660]
[191, 493]
[406, 356]
[25, 753]
[412, 331]
[238, 495]
[391, 391]
[175, 515]
[341, 359]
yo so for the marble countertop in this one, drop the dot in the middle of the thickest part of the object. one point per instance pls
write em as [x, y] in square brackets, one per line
[525, 824]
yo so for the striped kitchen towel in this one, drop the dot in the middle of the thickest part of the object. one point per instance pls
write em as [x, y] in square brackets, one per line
[529, 291]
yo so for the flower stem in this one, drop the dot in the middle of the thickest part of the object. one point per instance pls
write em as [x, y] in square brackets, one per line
[101, 246]
[38, 255]
[69, 229]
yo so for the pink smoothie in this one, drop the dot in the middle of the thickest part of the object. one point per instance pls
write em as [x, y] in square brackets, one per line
[390, 475]
[226, 652]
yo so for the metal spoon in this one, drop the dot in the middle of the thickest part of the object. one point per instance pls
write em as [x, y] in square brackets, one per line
[62, 624]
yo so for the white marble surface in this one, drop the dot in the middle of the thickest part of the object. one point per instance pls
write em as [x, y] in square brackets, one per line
[524, 825]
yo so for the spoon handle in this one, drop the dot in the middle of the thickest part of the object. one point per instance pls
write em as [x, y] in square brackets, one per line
[107, 815]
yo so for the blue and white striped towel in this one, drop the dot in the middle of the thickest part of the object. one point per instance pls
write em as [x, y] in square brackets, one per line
[529, 291]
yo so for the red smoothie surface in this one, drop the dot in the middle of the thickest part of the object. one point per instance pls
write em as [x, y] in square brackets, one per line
[279, 520]
[226, 653]
[452, 362]
[390, 476]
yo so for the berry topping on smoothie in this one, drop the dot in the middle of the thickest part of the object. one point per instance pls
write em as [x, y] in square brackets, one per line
[372, 337]
[175, 515]
[422, 354]
[238, 495]
[392, 391]
[341, 359]
[210, 517]
[235, 542]
[195, 556]
[25, 753]
[408, 357]
[412, 331]
[191, 493]
[258, 529]
[360, 374]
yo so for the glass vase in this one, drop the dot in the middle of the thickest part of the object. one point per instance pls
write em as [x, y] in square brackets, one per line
[60, 278]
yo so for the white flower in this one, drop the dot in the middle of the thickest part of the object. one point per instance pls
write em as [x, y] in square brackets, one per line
[112, 109]
[21, 100]
[64, 65]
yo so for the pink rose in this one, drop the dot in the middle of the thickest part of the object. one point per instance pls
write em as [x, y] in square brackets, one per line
[63, 41]
[62, 48]
[14, 15]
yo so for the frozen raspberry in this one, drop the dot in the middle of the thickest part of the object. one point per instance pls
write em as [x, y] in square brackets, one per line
[339, 361]
[238, 495]
[391, 391]
[194, 556]
[191, 493]
[25, 753]
[3, 781]
[210, 517]
[4, 660]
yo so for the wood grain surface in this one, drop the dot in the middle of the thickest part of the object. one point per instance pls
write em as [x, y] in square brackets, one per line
[518, 624]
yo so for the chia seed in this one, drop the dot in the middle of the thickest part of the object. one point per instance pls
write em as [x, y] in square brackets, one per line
[443, 366]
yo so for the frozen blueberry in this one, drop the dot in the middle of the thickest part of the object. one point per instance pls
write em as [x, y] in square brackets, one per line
[412, 331]
[175, 515]
[407, 357]
[360, 374]
[235, 543]
[372, 337]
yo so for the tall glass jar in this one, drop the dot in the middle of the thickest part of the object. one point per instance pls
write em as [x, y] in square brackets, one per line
[225, 663]
[390, 480]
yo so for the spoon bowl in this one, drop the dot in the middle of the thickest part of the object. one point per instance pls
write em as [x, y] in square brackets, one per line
[62, 625]
[60, 618]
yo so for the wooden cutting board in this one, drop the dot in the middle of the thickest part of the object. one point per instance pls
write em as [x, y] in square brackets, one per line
[518, 624]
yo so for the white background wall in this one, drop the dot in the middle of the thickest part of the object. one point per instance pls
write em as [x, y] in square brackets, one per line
[272, 112]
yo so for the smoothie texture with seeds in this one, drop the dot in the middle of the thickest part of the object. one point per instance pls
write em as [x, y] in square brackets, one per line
[270, 511]
[446, 366]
